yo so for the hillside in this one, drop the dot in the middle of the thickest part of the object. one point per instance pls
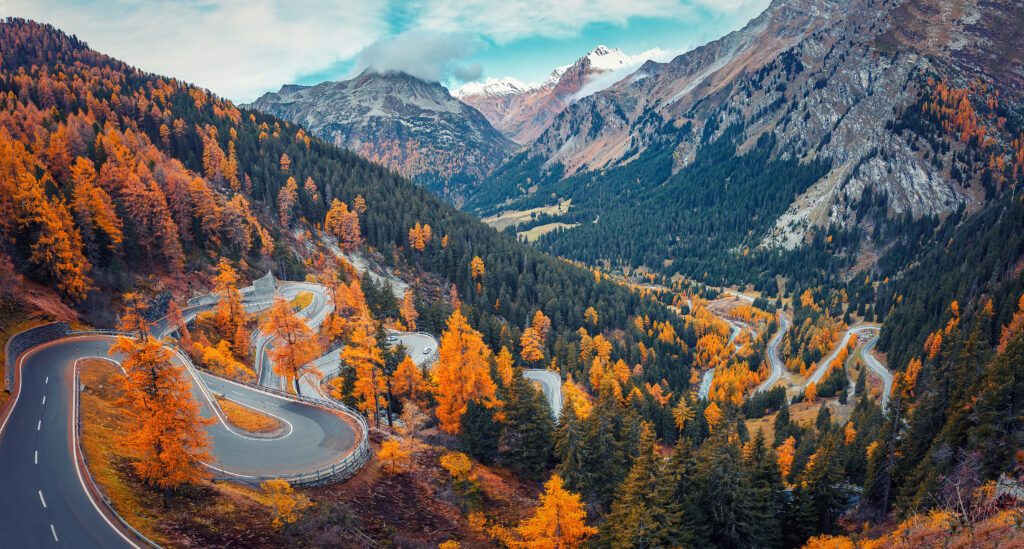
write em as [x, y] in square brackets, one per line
[524, 111]
[855, 109]
[411, 126]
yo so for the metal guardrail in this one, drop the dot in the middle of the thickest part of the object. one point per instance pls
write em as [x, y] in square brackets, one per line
[88, 473]
[343, 469]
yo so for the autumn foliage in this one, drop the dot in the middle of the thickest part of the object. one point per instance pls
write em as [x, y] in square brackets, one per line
[559, 522]
[462, 373]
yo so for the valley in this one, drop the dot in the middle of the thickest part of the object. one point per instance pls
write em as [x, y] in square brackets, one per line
[764, 290]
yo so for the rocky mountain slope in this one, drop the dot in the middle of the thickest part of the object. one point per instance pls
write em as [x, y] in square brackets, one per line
[523, 111]
[413, 127]
[916, 101]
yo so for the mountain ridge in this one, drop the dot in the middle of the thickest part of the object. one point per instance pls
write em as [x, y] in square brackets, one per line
[414, 127]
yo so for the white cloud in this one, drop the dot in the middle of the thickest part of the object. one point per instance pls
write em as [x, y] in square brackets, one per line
[509, 20]
[427, 55]
[633, 62]
[236, 48]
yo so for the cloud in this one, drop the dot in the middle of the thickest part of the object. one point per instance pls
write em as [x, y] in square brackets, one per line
[428, 55]
[509, 20]
[236, 48]
[606, 79]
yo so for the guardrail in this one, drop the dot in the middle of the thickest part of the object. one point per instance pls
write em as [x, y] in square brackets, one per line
[88, 473]
[342, 470]
[23, 341]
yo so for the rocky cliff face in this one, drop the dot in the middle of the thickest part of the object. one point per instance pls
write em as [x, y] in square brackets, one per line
[864, 84]
[413, 127]
[524, 111]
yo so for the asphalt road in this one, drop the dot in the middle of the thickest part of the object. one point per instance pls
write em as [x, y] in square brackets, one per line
[551, 383]
[876, 367]
[44, 499]
[774, 359]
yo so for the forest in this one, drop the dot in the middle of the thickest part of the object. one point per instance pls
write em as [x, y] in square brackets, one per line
[123, 192]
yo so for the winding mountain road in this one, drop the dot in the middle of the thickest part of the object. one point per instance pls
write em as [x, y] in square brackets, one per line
[774, 359]
[551, 384]
[46, 496]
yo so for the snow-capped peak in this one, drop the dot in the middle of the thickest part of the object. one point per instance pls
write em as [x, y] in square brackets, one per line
[604, 58]
[495, 87]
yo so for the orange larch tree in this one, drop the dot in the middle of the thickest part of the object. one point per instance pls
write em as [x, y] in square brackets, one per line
[344, 225]
[559, 522]
[296, 345]
[362, 354]
[462, 373]
[166, 432]
[287, 197]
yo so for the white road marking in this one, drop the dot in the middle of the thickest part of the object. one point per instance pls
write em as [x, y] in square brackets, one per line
[39, 425]
[37, 457]
[44, 400]
[47, 379]
[54, 532]
[41, 499]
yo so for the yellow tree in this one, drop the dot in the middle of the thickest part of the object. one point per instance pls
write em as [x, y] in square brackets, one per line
[344, 225]
[230, 315]
[531, 346]
[559, 522]
[295, 344]
[165, 428]
[714, 416]
[419, 236]
[462, 373]
[393, 457]
[786, 453]
[590, 316]
[408, 381]
[542, 324]
[503, 364]
[287, 505]
[362, 354]
[477, 270]
[408, 310]
[286, 200]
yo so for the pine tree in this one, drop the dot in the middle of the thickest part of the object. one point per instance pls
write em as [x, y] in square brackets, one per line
[723, 493]
[607, 455]
[571, 450]
[528, 430]
[480, 433]
[767, 497]
[644, 513]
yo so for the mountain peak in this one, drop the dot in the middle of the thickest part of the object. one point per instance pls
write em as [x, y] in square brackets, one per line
[500, 87]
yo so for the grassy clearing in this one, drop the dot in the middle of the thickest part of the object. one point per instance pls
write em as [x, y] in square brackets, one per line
[516, 217]
[541, 230]
[207, 515]
[303, 300]
[248, 419]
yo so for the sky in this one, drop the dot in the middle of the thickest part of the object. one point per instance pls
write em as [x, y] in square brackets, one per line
[240, 49]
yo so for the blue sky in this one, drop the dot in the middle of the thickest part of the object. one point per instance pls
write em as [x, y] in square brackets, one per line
[242, 48]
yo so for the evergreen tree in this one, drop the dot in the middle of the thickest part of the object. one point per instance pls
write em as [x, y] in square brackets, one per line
[480, 432]
[723, 492]
[767, 496]
[606, 458]
[571, 449]
[644, 513]
[528, 432]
